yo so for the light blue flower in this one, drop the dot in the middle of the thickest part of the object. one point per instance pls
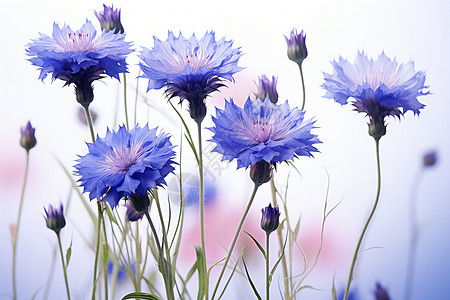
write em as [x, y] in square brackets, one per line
[125, 162]
[68, 52]
[379, 87]
[262, 131]
[190, 69]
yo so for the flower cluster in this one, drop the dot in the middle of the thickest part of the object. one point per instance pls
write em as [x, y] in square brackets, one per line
[379, 88]
[124, 163]
[79, 57]
[190, 69]
[262, 131]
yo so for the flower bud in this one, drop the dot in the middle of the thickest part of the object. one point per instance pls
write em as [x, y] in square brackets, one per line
[261, 172]
[110, 19]
[381, 293]
[267, 88]
[430, 159]
[377, 128]
[139, 202]
[296, 49]
[131, 213]
[55, 218]
[270, 218]
[27, 138]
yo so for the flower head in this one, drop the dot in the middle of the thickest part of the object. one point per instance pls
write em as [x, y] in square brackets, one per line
[296, 47]
[270, 218]
[79, 57]
[54, 218]
[125, 162]
[267, 88]
[260, 131]
[380, 88]
[190, 69]
[110, 19]
[27, 138]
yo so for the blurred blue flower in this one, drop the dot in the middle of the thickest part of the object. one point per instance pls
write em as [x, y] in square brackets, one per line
[379, 88]
[54, 218]
[380, 292]
[270, 218]
[79, 57]
[110, 19]
[125, 162]
[267, 88]
[262, 131]
[190, 69]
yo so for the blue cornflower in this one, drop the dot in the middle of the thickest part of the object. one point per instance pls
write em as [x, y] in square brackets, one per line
[190, 69]
[262, 131]
[267, 88]
[379, 88]
[125, 162]
[110, 19]
[54, 218]
[79, 57]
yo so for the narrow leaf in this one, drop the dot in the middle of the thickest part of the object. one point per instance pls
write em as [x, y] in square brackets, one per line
[257, 244]
[251, 282]
[68, 254]
[139, 295]
[201, 272]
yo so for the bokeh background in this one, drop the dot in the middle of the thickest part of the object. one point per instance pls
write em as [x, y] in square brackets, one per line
[417, 30]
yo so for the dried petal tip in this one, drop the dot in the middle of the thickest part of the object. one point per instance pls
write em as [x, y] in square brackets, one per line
[55, 218]
[110, 19]
[270, 218]
[430, 159]
[261, 172]
[381, 293]
[267, 88]
[27, 138]
[296, 47]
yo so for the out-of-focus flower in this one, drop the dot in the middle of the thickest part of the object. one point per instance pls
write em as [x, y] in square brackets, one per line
[270, 218]
[267, 88]
[381, 293]
[125, 162]
[380, 88]
[131, 213]
[190, 69]
[296, 47]
[262, 131]
[110, 19]
[79, 57]
[429, 159]
[27, 138]
[352, 295]
[82, 115]
[54, 218]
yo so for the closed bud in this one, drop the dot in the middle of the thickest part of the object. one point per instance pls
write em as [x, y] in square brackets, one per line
[55, 218]
[430, 159]
[131, 213]
[27, 138]
[261, 172]
[270, 218]
[110, 19]
[139, 202]
[296, 47]
[267, 88]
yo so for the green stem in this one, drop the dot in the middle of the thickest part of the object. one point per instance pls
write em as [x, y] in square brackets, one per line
[202, 207]
[303, 86]
[89, 119]
[414, 236]
[165, 244]
[355, 255]
[105, 266]
[267, 266]
[136, 97]
[238, 230]
[64, 266]
[16, 233]
[125, 100]
[287, 295]
[97, 248]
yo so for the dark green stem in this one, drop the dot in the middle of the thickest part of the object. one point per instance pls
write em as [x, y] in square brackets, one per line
[64, 266]
[355, 255]
[303, 86]
[267, 266]
[16, 231]
[125, 100]
[233, 243]
[89, 120]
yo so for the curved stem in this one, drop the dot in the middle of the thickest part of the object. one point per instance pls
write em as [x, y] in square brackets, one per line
[16, 231]
[202, 207]
[303, 86]
[267, 266]
[125, 100]
[280, 242]
[414, 236]
[233, 243]
[355, 255]
[64, 266]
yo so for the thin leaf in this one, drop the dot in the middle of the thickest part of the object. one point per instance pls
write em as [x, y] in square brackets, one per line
[139, 295]
[278, 261]
[110, 215]
[333, 291]
[194, 150]
[68, 254]
[251, 282]
[201, 272]
[231, 276]
[257, 244]
[105, 254]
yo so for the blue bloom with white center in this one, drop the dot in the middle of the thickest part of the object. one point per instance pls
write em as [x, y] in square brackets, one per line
[125, 162]
[379, 87]
[262, 131]
[190, 69]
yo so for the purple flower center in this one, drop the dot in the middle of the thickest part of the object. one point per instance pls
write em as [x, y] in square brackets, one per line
[195, 59]
[73, 41]
[121, 158]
